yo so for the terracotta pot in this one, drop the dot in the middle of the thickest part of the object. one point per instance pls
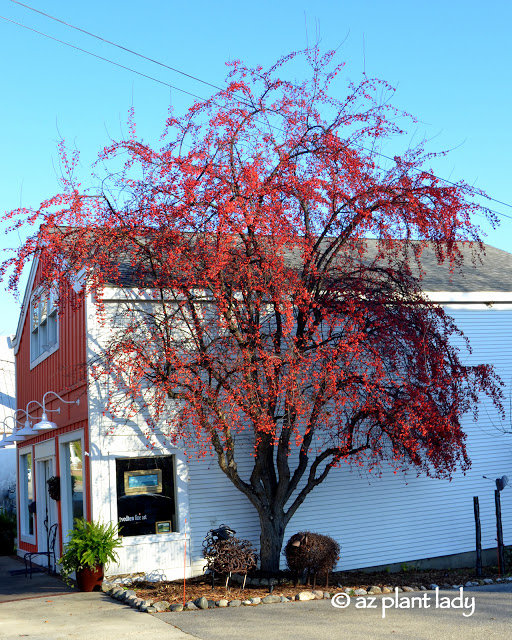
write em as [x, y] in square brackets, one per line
[90, 579]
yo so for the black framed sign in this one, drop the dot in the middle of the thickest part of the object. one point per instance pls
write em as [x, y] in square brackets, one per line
[146, 495]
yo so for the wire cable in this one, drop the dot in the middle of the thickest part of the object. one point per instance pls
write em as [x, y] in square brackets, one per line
[117, 64]
[119, 46]
[490, 198]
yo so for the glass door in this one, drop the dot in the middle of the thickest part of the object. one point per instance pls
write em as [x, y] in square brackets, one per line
[46, 507]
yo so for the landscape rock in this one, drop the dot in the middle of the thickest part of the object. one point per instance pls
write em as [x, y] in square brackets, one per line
[255, 600]
[191, 606]
[386, 590]
[304, 595]
[235, 603]
[327, 595]
[284, 599]
[433, 587]
[423, 588]
[222, 603]
[374, 589]
[488, 581]
[246, 603]
[264, 582]
[201, 603]
[407, 589]
[211, 604]
[147, 603]
[361, 592]
[163, 605]
[319, 595]
[271, 599]
[176, 607]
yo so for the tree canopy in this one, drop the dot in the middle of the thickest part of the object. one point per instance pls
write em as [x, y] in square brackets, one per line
[282, 255]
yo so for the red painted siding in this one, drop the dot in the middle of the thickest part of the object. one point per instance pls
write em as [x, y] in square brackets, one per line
[63, 372]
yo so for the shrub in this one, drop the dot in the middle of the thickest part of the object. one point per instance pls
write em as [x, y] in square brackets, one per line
[7, 533]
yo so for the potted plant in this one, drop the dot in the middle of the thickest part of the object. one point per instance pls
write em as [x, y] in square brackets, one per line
[90, 546]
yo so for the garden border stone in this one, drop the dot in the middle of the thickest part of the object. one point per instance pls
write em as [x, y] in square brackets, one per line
[129, 597]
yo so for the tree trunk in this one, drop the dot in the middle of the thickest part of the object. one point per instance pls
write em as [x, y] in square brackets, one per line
[271, 539]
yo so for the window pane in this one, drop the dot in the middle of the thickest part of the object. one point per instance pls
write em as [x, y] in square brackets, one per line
[44, 308]
[28, 504]
[75, 480]
[35, 314]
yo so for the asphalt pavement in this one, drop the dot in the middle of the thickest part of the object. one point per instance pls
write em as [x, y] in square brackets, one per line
[362, 618]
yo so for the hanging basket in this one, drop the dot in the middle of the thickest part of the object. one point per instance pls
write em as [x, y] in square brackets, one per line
[54, 487]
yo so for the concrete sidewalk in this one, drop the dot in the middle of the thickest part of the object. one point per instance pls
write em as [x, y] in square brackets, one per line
[44, 608]
[17, 587]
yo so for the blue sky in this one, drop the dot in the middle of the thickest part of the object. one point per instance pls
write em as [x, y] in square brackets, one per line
[451, 63]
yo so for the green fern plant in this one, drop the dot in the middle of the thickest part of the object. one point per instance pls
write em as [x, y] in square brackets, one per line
[89, 544]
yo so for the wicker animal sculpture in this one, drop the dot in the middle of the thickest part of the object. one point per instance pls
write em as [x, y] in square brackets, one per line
[311, 554]
[226, 554]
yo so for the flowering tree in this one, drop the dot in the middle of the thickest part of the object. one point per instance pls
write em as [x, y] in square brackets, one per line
[279, 258]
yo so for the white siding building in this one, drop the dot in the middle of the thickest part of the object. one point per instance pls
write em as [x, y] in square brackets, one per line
[395, 518]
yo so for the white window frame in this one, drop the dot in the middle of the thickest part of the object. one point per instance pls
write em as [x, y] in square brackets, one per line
[180, 496]
[65, 498]
[23, 506]
[43, 319]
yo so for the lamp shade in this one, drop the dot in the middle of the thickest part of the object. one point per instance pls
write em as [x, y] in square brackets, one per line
[44, 424]
[27, 430]
[14, 437]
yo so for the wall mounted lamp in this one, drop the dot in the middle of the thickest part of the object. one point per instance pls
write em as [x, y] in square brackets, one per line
[14, 435]
[44, 424]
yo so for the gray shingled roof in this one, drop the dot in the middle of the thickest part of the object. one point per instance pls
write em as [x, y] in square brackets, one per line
[490, 271]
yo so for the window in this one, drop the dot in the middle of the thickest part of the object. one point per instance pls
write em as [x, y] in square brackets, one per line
[145, 495]
[43, 325]
[27, 495]
[74, 479]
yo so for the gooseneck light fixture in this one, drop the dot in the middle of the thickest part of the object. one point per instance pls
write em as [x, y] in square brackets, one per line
[6, 439]
[3, 441]
[44, 423]
[14, 436]
[28, 431]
